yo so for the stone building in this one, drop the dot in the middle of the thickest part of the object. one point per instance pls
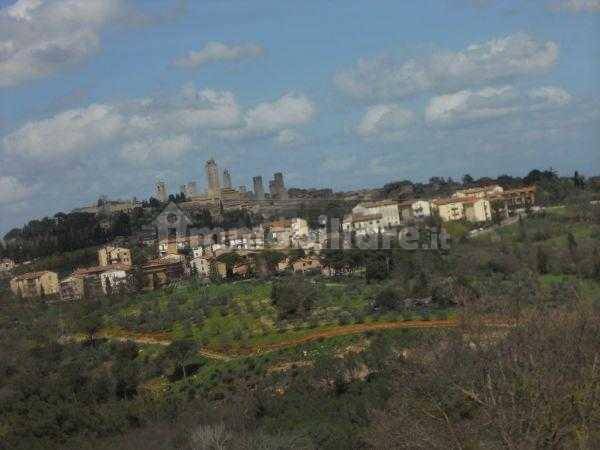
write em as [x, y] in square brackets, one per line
[160, 272]
[110, 255]
[35, 284]
[6, 265]
[72, 288]
[414, 209]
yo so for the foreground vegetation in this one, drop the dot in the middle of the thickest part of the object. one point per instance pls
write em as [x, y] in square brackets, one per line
[529, 378]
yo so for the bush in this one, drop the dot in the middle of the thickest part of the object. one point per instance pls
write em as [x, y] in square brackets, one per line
[345, 318]
[293, 298]
[386, 300]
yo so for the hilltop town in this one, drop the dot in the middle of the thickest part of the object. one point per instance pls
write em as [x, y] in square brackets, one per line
[175, 249]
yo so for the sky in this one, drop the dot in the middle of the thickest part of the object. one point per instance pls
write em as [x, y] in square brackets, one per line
[104, 97]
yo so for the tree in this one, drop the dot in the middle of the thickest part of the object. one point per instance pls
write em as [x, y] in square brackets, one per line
[467, 180]
[596, 262]
[572, 244]
[293, 298]
[181, 352]
[91, 320]
[543, 261]
[578, 180]
[387, 300]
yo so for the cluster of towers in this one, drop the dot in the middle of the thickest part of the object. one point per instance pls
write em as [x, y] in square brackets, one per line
[216, 190]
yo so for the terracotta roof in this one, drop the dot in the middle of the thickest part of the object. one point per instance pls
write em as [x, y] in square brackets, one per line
[167, 260]
[377, 204]
[479, 189]
[413, 201]
[99, 269]
[448, 201]
[366, 217]
[32, 275]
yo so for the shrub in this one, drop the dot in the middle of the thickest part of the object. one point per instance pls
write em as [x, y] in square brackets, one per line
[345, 318]
[386, 300]
[293, 298]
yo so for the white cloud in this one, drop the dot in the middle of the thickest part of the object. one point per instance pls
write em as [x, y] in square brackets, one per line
[41, 37]
[383, 78]
[149, 129]
[288, 138]
[469, 106]
[13, 191]
[72, 131]
[577, 6]
[217, 51]
[161, 148]
[385, 120]
[289, 110]
[550, 95]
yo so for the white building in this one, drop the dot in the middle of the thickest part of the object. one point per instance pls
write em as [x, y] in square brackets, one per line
[288, 231]
[114, 278]
[372, 217]
[449, 209]
[479, 192]
[415, 209]
[472, 209]
[202, 266]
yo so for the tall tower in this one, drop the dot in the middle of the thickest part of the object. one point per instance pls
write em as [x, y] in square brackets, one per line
[279, 186]
[226, 179]
[212, 176]
[161, 192]
[191, 189]
[259, 190]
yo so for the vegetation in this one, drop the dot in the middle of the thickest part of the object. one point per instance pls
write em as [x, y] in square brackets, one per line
[492, 343]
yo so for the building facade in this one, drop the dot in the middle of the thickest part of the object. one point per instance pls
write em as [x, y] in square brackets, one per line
[6, 265]
[35, 284]
[449, 209]
[71, 288]
[110, 255]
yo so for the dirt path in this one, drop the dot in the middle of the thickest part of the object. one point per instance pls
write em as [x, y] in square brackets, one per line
[164, 339]
[354, 329]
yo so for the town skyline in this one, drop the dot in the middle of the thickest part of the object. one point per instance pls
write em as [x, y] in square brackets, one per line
[136, 91]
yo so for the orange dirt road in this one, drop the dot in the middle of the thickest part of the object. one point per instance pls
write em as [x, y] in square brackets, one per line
[343, 330]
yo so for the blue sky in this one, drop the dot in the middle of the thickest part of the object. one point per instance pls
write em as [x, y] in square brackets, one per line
[105, 96]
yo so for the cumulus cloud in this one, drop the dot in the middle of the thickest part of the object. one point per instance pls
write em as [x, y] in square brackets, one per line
[466, 106]
[12, 190]
[386, 121]
[71, 131]
[153, 129]
[489, 103]
[218, 51]
[577, 6]
[41, 37]
[291, 109]
[550, 95]
[288, 138]
[511, 56]
[159, 147]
